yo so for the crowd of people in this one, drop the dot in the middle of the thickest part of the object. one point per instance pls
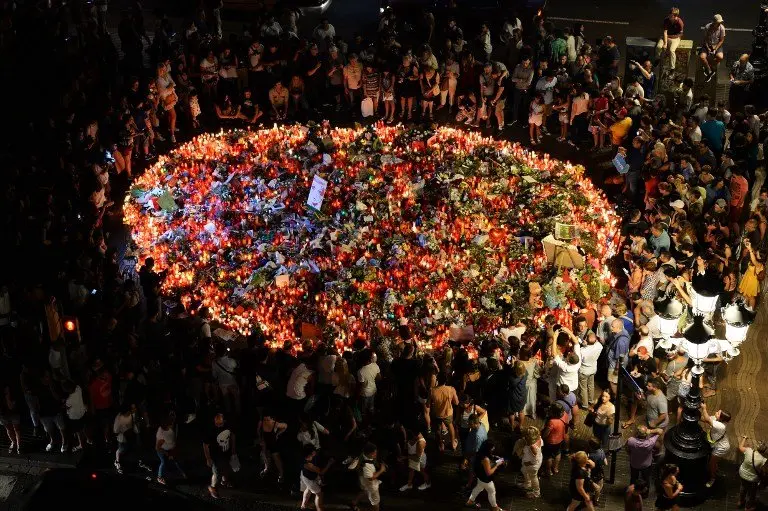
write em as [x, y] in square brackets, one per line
[94, 358]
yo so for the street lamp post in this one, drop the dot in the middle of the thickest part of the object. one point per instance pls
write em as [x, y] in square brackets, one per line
[686, 443]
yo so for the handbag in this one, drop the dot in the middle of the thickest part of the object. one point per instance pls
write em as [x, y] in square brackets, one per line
[234, 463]
[589, 420]
[366, 107]
[170, 100]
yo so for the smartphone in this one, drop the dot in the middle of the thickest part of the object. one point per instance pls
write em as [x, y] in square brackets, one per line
[93, 291]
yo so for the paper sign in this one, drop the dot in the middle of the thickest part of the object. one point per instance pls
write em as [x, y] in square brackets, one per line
[461, 334]
[310, 331]
[316, 193]
[282, 280]
[621, 164]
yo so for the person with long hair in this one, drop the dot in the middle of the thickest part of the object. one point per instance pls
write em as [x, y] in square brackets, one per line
[309, 480]
[484, 468]
[605, 414]
[166, 88]
[269, 431]
[532, 459]
[671, 488]
[581, 485]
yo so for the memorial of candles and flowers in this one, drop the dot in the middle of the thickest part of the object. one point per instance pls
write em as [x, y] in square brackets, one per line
[351, 229]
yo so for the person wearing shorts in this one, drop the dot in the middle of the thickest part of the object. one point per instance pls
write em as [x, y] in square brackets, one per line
[10, 419]
[309, 479]
[368, 477]
[554, 435]
[536, 118]
[76, 411]
[712, 46]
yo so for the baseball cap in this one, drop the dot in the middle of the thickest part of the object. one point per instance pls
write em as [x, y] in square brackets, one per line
[677, 204]
[721, 203]
[717, 18]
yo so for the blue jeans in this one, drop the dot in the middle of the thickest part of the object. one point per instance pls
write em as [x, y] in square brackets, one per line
[164, 460]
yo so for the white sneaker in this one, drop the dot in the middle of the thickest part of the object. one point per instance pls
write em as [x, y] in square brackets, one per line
[48, 447]
[425, 486]
[64, 448]
[406, 487]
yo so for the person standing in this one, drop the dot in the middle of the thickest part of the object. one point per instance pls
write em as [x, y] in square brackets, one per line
[353, 81]
[581, 484]
[671, 36]
[416, 459]
[712, 46]
[755, 458]
[368, 477]
[532, 459]
[367, 376]
[522, 77]
[166, 448]
[309, 480]
[718, 439]
[76, 410]
[671, 488]
[484, 467]
[443, 398]
[640, 448]
[10, 419]
[742, 76]
[219, 448]
[617, 349]
[605, 414]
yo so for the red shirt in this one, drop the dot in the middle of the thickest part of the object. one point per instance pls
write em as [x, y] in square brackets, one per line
[674, 27]
[739, 188]
[556, 430]
[100, 390]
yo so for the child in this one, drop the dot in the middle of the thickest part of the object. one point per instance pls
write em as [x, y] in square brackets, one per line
[536, 118]
[562, 106]
[467, 108]
[388, 95]
[372, 85]
[309, 480]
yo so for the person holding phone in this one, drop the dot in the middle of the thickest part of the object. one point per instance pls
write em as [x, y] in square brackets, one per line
[485, 467]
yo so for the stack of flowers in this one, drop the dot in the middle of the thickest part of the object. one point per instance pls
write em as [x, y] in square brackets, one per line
[443, 227]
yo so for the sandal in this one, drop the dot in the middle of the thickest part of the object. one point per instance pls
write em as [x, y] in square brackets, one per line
[473, 505]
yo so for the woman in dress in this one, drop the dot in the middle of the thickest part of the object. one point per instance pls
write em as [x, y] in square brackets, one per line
[670, 488]
[532, 373]
[168, 98]
[749, 287]
[388, 94]
[269, 430]
[605, 413]
[408, 85]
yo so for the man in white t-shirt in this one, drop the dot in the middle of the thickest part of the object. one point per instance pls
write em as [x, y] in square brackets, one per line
[298, 382]
[367, 377]
[590, 352]
[718, 439]
[323, 34]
